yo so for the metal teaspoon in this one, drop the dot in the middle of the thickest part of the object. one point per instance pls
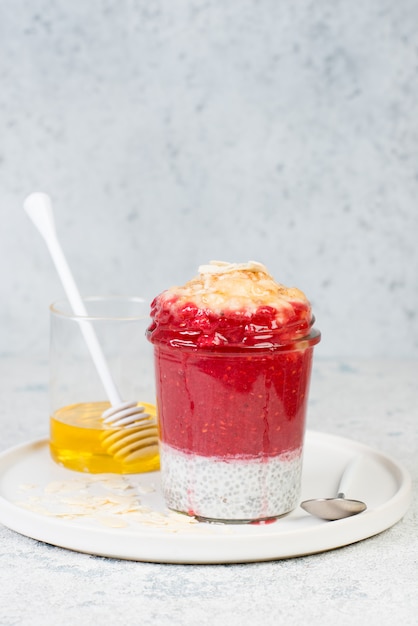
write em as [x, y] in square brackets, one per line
[339, 507]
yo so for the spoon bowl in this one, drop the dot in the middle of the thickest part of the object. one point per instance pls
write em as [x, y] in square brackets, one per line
[331, 509]
[338, 507]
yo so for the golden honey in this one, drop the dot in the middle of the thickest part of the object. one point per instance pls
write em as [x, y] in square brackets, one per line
[77, 441]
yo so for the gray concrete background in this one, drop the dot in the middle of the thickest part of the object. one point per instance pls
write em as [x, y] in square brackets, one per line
[170, 133]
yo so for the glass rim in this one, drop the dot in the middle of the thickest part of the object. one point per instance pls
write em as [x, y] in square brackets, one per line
[293, 345]
[55, 309]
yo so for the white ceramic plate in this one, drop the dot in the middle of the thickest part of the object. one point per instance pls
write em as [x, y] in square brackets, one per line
[39, 499]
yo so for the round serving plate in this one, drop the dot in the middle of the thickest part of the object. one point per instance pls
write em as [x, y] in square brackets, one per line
[125, 517]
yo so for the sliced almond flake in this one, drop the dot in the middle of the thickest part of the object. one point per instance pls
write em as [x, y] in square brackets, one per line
[117, 506]
[78, 511]
[36, 508]
[120, 499]
[115, 501]
[94, 478]
[116, 482]
[141, 510]
[134, 509]
[119, 510]
[178, 518]
[152, 522]
[65, 486]
[80, 501]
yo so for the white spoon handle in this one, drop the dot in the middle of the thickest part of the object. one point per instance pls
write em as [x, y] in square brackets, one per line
[39, 209]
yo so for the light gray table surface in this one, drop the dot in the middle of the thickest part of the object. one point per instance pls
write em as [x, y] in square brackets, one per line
[373, 581]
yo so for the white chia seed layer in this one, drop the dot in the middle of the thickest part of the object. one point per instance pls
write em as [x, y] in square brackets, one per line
[233, 489]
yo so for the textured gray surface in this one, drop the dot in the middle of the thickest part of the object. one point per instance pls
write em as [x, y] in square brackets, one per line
[170, 133]
[374, 581]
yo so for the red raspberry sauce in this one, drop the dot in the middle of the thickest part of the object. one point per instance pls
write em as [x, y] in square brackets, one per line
[231, 389]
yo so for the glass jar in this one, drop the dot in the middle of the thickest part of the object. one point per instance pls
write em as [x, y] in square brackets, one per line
[231, 427]
[79, 438]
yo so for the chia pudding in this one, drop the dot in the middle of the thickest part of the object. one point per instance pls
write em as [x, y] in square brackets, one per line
[233, 355]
